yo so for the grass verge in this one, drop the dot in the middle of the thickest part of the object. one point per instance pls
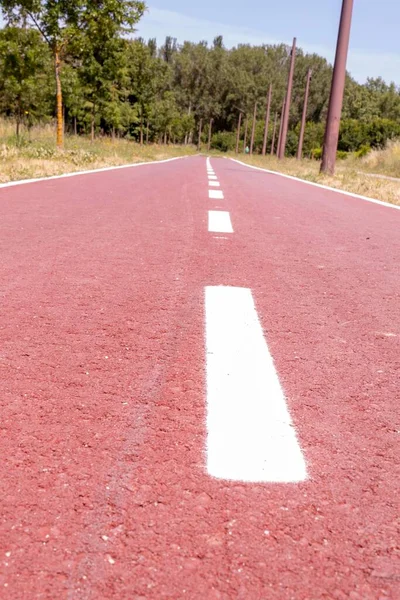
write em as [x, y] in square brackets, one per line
[35, 155]
[348, 176]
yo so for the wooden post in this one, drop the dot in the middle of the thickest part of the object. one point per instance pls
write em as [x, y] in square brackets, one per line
[209, 135]
[286, 112]
[280, 127]
[246, 129]
[238, 133]
[304, 117]
[60, 124]
[200, 132]
[274, 134]
[253, 130]
[264, 150]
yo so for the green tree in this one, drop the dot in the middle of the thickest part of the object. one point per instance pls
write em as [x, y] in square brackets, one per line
[60, 21]
[24, 75]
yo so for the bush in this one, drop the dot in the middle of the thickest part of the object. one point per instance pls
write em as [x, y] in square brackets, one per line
[363, 151]
[316, 153]
[355, 135]
[380, 131]
[224, 141]
[313, 137]
[292, 143]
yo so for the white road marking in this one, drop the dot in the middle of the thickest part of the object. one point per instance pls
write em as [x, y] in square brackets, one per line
[219, 221]
[211, 177]
[251, 437]
[214, 184]
[215, 194]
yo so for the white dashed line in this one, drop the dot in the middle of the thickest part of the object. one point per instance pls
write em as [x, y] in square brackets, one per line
[251, 437]
[215, 194]
[211, 177]
[214, 184]
[219, 221]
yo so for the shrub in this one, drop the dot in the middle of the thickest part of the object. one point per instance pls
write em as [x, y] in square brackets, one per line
[380, 131]
[363, 151]
[316, 153]
[224, 141]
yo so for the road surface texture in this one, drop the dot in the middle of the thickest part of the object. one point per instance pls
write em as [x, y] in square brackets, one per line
[106, 492]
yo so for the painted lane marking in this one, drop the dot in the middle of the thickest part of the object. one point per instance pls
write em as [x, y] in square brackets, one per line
[214, 184]
[215, 194]
[251, 437]
[219, 221]
[211, 177]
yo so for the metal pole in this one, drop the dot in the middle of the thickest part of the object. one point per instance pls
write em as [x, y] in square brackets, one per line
[304, 117]
[274, 134]
[280, 127]
[238, 133]
[200, 132]
[337, 90]
[209, 135]
[246, 129]
[253, 131]
[264, 150]
[285, 125]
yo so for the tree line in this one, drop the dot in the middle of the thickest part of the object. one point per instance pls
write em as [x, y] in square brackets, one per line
[79, 62]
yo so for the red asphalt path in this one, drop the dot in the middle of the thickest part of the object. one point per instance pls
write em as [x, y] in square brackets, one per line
[104, 491]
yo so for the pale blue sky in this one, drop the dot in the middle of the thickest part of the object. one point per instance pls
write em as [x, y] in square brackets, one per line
[375, 42]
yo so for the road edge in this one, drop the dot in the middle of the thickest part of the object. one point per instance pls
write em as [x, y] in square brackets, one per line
[318, 185]
[91, 172]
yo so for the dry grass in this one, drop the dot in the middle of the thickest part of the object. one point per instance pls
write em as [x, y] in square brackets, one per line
[347, 177]
[383, 162]
[35, 155]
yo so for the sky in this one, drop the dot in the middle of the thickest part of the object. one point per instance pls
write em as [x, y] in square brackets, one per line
[375, 41]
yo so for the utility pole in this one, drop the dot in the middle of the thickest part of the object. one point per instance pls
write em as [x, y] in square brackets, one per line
[337, 90]
[280, 127]
[304, 118]
[264, 150]
[285, 121]
[253, 131]
[238, 133]
[246, 129]
[200, 132]
[273, 135]
[209, 135]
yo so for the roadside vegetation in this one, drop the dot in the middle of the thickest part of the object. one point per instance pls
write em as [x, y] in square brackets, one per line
[115, 85]
[352, 174]
[34, 153]
[78, 91]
